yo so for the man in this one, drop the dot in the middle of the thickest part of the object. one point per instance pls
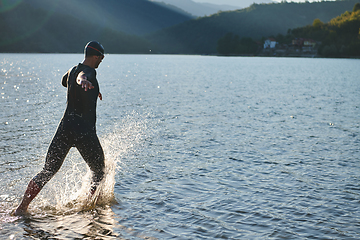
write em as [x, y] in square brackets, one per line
[76, 128]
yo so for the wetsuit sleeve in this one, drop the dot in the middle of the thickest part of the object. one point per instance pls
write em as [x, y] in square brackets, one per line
[89, 97]
[64, 79]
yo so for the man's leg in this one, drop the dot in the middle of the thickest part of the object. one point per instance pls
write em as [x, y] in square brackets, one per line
[93, 154]
[57, 152]
[32, 190]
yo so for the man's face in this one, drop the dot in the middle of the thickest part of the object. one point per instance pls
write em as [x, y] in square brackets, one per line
[98, 60]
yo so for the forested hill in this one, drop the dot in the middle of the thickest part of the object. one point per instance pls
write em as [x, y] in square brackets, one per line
[200, 9]
[200, 36]
[339, 38]
[128, 16]
[66, 25]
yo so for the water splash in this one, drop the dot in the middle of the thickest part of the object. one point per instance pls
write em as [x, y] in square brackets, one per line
[6, 212]
[71, 186]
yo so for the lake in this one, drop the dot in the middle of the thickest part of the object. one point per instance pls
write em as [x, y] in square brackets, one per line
[197, 147]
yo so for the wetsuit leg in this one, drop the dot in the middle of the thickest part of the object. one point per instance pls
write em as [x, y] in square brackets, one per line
[90, 149]
[57, 152]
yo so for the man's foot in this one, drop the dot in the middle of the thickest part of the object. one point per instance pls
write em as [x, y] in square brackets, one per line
[30, 193]
[20, 212]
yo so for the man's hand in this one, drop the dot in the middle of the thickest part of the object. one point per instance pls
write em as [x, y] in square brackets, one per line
[100, 96]
[82, 80]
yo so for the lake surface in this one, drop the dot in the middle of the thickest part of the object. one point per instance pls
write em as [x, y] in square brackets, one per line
[198, 147]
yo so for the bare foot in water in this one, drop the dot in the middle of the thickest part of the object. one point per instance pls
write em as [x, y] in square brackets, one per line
[20, 212]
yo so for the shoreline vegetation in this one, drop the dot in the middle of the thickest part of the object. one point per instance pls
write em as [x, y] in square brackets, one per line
[339, 38]
[266, 30]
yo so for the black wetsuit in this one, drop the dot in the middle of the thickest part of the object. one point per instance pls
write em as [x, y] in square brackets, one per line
[76, 129]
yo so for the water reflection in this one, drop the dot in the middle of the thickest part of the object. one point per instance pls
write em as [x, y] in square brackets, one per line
[94, 224]
[205, 147]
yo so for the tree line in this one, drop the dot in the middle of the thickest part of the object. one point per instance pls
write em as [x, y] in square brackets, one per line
[201, 35]
[26, 29]
[340, 37]
[29, 29]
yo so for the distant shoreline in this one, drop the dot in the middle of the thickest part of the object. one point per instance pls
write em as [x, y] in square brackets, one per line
[285, 56]
[215, 55]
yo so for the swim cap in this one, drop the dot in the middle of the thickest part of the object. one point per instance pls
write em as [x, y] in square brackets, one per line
[94, 48]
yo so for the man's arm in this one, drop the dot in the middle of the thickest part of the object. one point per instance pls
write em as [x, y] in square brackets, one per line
[64, 79]
[82, 80]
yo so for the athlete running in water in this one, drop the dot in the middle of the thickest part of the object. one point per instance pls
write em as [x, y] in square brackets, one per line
[76, 128]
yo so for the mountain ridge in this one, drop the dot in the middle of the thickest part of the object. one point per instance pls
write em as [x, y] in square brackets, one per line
[202, 9]
[41, 27]
[200, 36]
[197, 9]
[66, 25]
[130, 16]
